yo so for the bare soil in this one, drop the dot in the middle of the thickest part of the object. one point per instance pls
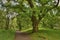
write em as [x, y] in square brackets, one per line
[22, 36]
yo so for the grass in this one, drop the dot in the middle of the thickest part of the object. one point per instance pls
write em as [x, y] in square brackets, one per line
[43, 34]
[7, 35]
[46, 35]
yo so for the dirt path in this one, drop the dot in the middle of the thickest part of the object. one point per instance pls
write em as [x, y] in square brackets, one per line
[25, 36]
[21, 36]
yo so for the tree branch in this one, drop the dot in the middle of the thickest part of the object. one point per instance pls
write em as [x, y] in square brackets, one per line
[40, 17]
[30, 3]
[54, 6]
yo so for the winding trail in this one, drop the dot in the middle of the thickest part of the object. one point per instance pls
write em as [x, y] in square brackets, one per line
[25, 36]
[22, 36]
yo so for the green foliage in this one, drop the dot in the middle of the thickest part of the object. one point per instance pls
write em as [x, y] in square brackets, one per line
[7, 35]
[24, 11]
[46, 35]
[2, 19]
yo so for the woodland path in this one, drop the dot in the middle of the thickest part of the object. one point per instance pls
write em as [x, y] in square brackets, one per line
[25, 36]
[22, 36]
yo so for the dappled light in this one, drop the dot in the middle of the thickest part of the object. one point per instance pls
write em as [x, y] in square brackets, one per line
[29, 19]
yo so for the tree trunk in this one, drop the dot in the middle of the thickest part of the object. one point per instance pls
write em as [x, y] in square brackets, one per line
[7, 24]
[52, 27]
[34, 22]
[20, 27]
[35, 27]
[19, 23]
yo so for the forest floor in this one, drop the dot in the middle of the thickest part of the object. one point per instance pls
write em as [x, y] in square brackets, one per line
[41, 35]
[22, 36]
[27, 36]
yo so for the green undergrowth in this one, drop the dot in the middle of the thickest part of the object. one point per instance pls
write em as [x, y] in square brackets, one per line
[42, 34]
[46, 35]
[7, 34]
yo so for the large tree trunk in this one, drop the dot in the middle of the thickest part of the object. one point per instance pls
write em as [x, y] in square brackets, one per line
[33, 18]
[35, 27]
[34, 22]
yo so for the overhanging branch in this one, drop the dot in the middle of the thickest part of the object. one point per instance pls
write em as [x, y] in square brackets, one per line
[40, 17]
[53, 6]
[30, 3]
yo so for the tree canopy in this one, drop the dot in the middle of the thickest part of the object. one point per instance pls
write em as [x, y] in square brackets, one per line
[29, 13]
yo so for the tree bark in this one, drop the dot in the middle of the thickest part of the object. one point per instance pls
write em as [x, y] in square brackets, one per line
[33, 18]
[19, 23]
[35, 22]
[7, 24]
[35, 26]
